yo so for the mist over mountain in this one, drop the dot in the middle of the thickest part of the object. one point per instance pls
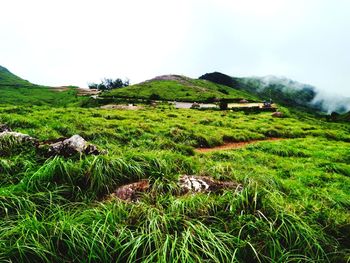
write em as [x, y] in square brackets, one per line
[325, 101]
[284, 90]
[331, 103]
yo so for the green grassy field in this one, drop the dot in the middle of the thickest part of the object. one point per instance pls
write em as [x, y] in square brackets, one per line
[294, 206]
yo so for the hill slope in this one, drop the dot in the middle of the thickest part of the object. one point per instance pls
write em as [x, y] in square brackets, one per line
[180, 88]
[17, 91]
[9, 79]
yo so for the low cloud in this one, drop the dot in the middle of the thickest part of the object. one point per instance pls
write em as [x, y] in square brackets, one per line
[330, 103]
[322, 100]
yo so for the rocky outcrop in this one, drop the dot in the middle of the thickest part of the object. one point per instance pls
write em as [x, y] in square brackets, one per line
[131, 192]
[186, 184]
[63, 146]
[198, 184]
[71, 146]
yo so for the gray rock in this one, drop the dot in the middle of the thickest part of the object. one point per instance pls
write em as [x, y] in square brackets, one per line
[131, 192]
[198, 184]
[71, 146]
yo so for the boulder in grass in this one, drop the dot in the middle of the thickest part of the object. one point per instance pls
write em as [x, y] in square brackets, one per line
[198, 184]
[71, 146]
[131, 192]
[277, 114]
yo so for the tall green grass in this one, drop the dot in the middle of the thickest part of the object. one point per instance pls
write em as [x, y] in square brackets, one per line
[294, 206]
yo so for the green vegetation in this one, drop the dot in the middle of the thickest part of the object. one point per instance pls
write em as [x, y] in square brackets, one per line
[38, 95]
[294, 206]
[109, 84]
[16, 91]
[179, 88]
[7, 78]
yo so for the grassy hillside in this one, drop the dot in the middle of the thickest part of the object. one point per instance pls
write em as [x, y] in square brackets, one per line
[294, 206]
[178, 88]
[16, 91]
[9, 79]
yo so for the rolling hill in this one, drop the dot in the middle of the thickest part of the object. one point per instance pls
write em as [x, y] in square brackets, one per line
[17, 91]
[9, 79]
[180, 88]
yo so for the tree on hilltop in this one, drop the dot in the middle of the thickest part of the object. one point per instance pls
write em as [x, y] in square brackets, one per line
[109, 84]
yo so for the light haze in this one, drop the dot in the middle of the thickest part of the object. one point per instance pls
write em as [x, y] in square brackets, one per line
[75, 42]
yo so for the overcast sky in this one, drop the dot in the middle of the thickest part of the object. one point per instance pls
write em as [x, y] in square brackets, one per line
[61, 42]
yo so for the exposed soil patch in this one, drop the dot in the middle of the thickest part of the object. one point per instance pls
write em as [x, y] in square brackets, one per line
[234, 145]
[121, 107]
[88, 92]
[80, 91]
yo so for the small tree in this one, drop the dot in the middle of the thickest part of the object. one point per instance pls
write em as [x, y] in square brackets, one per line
[108, 84]
[92, 85]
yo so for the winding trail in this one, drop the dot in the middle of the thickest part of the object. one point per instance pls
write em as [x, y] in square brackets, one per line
[234, 145]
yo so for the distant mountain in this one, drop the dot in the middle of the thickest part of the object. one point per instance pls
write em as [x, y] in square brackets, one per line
[284, 91]
[9, 79]
[280, 90]
[180, 88]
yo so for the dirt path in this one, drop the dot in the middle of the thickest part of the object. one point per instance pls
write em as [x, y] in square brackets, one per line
[234, 145]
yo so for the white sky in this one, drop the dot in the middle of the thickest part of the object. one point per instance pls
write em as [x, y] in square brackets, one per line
[78, 41]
